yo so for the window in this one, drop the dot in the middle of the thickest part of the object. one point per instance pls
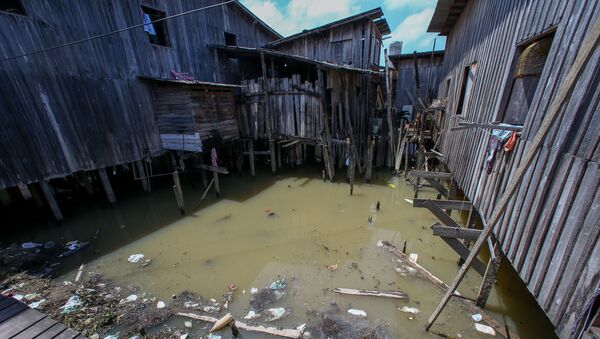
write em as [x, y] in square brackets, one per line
[467, 87]
[156, 31]
[230, 39]
[525, 79]
[12, 6]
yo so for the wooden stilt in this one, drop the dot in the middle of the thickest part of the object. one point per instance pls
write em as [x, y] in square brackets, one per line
[251, 155]
[278, 156]
[269, 119]
[324, 126]
[142, 175]
[406, 158]
[110, 195]
[203, 176]
[178, 192]
[217, 187]
[390, 120]
[86, 182]
[351, 169]
[51, 201]
[584, 54]
[489, 279]
[451, 193]
[369, 171]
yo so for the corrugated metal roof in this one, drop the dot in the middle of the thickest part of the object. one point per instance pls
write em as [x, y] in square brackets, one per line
[445, 15]
[373, 14]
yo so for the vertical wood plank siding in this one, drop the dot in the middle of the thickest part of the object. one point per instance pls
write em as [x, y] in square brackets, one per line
[429, 78]
[82, 107]
[550, 230]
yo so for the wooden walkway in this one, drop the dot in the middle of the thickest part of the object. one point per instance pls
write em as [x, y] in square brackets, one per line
[19, 321]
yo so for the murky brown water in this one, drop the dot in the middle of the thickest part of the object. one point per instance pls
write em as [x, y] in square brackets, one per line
[233, 240]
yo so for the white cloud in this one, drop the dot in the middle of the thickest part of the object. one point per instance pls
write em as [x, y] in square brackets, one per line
[403, 4]
[301, 14]
[412, 31]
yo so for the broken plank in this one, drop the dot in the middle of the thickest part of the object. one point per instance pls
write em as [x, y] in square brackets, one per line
[455, 232]
[458, 205]
[217, 169]
[286, 333]
[431, 175]
[468, 304]
[372, 293]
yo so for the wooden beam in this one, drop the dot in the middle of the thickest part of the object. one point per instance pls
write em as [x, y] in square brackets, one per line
[178, 192]
[251, 155]
[51, 201]
[458, 205]
[437, 186]
[390, 119]
[371, 293]
[142, 175]
[564, 92]
[286, 333]
[269, 119]
[110, 195]
[463, 252]
[489, 279]
[466, 125]
[217, 169]
[259, 153]
[431, 175]
[440, 214]
[455, 232]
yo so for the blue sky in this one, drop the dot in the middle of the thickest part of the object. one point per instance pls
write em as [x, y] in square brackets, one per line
[408, 19]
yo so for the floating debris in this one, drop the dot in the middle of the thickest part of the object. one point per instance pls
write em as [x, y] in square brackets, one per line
[409, 201]
[160, 304]
[135, 258]
[412, 310]
[275, 313]
[278, 284]
[356, 312]
[477, 317]
[252, 315]
[485, 329]
[188, 324]
[332, 267]
[72, 304]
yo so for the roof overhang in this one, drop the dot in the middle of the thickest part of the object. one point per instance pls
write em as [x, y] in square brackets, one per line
[446, 14]
[194, 83]
[374, 14]
[237, 51]
[419, 55]
[258, 20]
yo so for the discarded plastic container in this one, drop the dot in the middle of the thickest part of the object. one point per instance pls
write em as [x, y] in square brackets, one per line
[356, 312]
[252, 315]
[412, 310]
[275, 313]
[71, 305]
[485, 329]
[135, 258]
[30, 245]
[278, 284]
[477, 317]
[160, 304]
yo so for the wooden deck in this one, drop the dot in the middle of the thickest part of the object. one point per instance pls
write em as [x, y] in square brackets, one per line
[19, 321]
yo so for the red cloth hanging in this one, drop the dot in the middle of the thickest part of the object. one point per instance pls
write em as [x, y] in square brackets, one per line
[511, 142]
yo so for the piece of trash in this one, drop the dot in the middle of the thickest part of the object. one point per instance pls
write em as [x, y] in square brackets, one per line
[413, 256]
[252, 315]
[72, 304]
[112, 336]
[409, 201]
[30, 245]
[232, 287]
[485, 329]
[275, 313]
[477, 317]
[135, 258]
[301, 328]
[49, 244]
[356, 312]
[183, 336]
[221, 323]
[213, 336]
[253, 290]
[392, 185]
[332, 267]
[132, 297]
[36, 304]
[188, 324]
[278, 284]
[407, 309]
[17, 296]
[160, 304]
[146, 262]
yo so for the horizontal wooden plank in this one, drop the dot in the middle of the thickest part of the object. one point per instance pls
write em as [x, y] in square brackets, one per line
[431, 175]
[457, 205]
[455, 232]
[218, 169]
[20, 322]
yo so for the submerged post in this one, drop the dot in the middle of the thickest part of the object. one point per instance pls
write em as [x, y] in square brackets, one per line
[143, 176]
[217, 187]
[352, 165]
[178, 192]
[110, 195]
[489, 278]
[51, 201]
[371, 145]
[325, 135]
[251, 155]
[203, 176]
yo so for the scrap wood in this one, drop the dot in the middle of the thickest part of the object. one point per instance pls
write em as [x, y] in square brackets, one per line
[372, 293]
[286, 333]
[466, 303]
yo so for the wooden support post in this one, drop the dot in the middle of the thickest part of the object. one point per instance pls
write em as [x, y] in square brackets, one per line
[142, 175]
[351, 169]
[451, 193]
[201, 165]
[489, 278]
[438, 187]
[458, 205]
[278, 156]
[268, 117]
[110, 195]
[251, 156]
[325, 135]
[406, 157]
[178, 192]
[86, 182]
[371, 146]
[565, 90]
[51, 201]
[455, 232]
[217, 187]
[390, 120]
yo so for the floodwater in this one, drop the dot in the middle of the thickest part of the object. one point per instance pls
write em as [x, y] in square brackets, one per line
[291, 225]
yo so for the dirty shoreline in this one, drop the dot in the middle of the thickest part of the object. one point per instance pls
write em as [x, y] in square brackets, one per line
[294, 226]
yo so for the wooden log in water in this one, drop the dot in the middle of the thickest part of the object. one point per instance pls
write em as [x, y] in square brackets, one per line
[371, 293]
[110, 195]
[178, 192]
[286, 333]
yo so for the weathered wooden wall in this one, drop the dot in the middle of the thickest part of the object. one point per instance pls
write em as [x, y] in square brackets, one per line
[429, 78]
[209, 111]
[550, 230]
[82, 107]
[342, 45]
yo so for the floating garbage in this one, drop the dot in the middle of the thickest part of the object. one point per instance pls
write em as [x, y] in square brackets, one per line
[129, 298]
[301, 328]
[188, 324]
[213, 336]
[485, 329]
[112, 336]
[252, 315]
[253, 290]
[71, 305]
[409, 201]
[412, 310]
[391, 186]
[72, 247]
[413, 257]
[160, 304]
[135, 258]
[36, 304]
[332, 267]
[356, 312]
[30, 245]
[275, 313]
[278, 284]
[146, 262]
[17, 296]
[477, 317]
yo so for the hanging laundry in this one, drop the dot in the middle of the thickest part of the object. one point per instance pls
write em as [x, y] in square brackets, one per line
[497, 137]
[148, 26]
[511, 142]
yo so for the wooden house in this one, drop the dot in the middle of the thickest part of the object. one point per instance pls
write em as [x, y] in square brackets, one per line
[506, 62]
[73, 100]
